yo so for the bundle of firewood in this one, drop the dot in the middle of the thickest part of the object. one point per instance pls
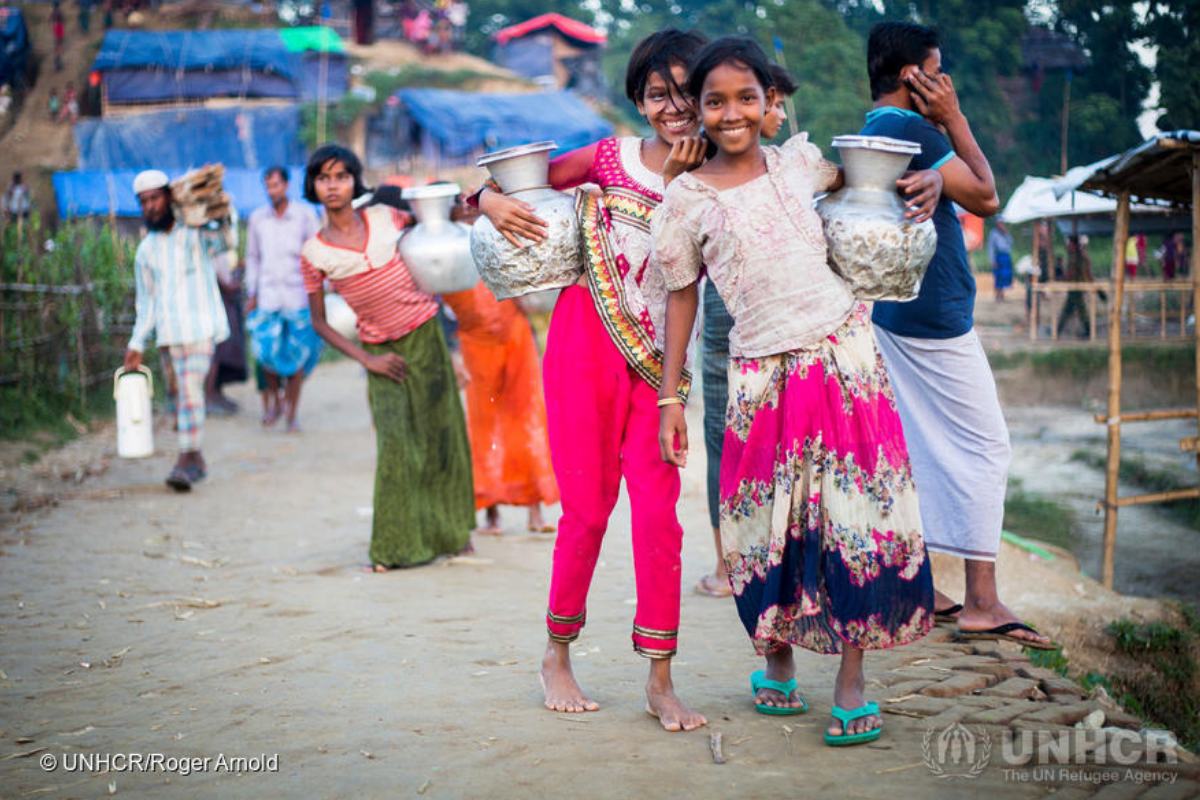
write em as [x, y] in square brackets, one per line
[199, 196]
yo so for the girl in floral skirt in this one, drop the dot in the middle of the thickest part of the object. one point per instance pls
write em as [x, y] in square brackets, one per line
[819, 521]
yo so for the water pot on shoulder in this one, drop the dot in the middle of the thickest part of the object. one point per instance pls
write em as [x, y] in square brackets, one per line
[881, 254]
[523, 172]
[436, 250]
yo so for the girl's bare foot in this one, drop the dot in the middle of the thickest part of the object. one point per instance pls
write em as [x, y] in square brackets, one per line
[664, 705]
[376, 568]
[492, 526]
[537, 523]
[848, 694]
[558, 682]
[713, 585]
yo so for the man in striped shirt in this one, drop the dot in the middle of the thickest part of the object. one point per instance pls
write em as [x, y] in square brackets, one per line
[179, 302]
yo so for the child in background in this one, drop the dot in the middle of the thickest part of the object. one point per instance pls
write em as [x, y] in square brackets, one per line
[819, 519]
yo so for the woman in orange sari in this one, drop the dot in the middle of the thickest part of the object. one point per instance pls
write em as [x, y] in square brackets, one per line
[506, 411]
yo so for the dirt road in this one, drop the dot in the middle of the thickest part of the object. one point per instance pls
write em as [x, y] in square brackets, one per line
[236, 621]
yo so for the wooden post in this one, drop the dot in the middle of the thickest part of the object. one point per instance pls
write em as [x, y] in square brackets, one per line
[1162, 313]
[1196, 270]
[1114, 386]
[1092, 302]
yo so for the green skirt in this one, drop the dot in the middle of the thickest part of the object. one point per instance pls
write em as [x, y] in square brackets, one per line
[424, 497]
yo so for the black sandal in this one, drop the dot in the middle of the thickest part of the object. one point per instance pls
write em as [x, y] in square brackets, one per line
[179, 480]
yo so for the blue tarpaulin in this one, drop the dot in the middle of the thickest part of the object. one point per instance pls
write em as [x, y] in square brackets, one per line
[147, 66]
[249, 137]
[262, 50]
[156, 85]
[14, 47]
[85, 194]
[456, 126]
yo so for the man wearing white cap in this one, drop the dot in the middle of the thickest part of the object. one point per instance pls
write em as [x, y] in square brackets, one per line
[179, 302]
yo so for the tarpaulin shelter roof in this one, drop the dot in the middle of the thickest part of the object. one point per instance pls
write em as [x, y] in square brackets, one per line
[81, 193]
[571, 28]
[14, 46]
[465, 123]
[1035, 198]
[251, 137]
[261, 50]
[312, 38]
[1081, 211]
[1157, 169]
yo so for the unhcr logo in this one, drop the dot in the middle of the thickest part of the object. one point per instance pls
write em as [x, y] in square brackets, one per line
[961, 752]
[957, 751]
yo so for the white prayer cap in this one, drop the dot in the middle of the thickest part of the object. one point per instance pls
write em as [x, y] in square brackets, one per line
[149, 179]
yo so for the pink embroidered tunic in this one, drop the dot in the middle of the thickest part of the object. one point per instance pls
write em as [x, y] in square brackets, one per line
[630, 297]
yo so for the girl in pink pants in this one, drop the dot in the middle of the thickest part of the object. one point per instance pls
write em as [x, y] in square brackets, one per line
[602, 371]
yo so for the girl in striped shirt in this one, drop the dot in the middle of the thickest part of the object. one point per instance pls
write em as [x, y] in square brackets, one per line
[424, 498]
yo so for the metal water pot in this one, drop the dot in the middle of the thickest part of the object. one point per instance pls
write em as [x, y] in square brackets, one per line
[542, 302]
[135, 420]
[523, 172]
[879, 253]
[436, 250]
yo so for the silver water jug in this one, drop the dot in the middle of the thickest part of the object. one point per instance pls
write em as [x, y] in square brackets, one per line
[880, 254]
[523, 173]
[436, 250]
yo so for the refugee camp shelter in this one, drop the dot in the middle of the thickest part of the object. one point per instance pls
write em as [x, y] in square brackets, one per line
[1164, 168]
[14, 48]
[104, 193]
[450, 128]
[173, 68]
[556, 51]
[178, 139]
[324, 72]
[1079, 212]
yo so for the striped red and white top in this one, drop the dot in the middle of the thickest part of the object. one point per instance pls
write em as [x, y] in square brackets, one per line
[374, 281]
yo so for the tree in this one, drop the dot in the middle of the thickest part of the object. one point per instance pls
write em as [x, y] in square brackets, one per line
[1174, 25]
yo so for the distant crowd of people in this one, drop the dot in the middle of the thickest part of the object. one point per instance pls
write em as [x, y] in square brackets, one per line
[437, 27]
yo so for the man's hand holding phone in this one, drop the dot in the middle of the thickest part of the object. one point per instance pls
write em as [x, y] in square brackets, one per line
[933, 96]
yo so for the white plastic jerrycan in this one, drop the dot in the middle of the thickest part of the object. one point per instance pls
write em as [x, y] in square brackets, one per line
[135, 422]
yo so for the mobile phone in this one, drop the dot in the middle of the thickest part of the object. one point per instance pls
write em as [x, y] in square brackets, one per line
[912, 87]
[710, 147]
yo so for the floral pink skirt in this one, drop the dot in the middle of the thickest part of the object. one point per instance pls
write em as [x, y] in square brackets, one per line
[819, 520]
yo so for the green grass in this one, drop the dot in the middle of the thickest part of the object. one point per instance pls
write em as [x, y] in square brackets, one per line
[1134, 471]
[1167, 686]
[1085, 363]
[1037, 517]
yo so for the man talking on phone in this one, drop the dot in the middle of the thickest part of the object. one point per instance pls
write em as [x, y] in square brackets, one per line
[956, 434]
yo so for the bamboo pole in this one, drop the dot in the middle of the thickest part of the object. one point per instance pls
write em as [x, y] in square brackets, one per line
[1113, 418]
[1196, 270]
[1146, 416]
[1159, 497]
[1162, 313]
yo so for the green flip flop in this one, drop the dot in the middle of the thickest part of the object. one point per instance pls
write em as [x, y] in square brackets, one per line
[759, 680]
[846, 717]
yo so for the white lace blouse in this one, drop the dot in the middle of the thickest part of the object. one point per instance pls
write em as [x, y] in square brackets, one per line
[763, 248]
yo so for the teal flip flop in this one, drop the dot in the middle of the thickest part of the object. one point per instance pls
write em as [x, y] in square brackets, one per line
[759, 680]
[846, 717]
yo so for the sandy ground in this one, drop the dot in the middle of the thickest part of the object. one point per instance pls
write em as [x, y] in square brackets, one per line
[236, 620]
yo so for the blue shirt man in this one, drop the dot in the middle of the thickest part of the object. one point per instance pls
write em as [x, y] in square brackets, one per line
[953, 423]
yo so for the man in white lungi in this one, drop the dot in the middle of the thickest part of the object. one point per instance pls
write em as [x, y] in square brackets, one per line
[956, 434]
[178, 303]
